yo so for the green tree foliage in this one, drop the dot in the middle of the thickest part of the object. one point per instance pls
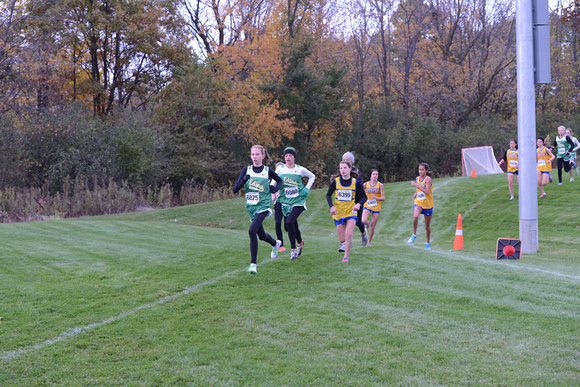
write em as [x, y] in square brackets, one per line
[312, 95]
[193, 108]
[12, 148]
[70, 144]
[112, 88]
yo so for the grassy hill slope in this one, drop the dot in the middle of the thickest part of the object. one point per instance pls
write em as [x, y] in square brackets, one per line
[162, 297]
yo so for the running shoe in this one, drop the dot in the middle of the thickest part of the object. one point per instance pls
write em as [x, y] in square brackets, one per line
[345, 259]
[543, 195]
[281, 249]
[364, 239]
[370, 244]
[293, 255]
[571, 179]
[341, 248]
[511, 198]
[427, 246]
[412, 239]
[253, 269]
[549, 178]
[299, 248]
[274, 253]
[559, 183]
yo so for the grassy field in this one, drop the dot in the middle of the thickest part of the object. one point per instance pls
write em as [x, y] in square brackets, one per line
[163, 298]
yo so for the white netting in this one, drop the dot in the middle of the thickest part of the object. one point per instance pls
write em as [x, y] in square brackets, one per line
[480, 159]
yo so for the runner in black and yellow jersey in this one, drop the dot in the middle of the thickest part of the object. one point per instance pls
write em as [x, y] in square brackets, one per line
[359, 222]
[345, 196]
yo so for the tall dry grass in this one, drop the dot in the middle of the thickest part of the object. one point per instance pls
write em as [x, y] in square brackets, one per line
[89, 198]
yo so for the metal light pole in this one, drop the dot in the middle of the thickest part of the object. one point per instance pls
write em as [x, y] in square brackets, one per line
[528, 198]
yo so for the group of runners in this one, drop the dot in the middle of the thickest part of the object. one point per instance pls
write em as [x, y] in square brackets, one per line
[565, 145]
[352, 203]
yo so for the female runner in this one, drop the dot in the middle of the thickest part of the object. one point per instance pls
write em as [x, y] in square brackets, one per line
[345, 196]
[511, 158]
[375, 197]
[255, 179]
[423, 203]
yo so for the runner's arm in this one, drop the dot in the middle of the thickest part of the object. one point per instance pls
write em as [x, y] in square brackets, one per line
[310, 176]
[274, 176]
[361, 195]
[241, 180]
[330, 192]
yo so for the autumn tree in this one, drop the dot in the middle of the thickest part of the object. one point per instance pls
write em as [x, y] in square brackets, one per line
[113, 52]
[14, 55]
[559, 98]
[472, 57]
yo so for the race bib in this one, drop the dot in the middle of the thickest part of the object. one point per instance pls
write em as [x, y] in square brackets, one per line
[513, 163]
[291, 192]
[372, 203]
[561, 151]
[252, 198]
[541, 163]
[421, 195]
[344, 195]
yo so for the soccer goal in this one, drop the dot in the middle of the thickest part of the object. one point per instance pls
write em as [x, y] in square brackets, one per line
[480, 159]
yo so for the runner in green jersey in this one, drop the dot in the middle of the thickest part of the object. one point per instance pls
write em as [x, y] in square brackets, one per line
[255, 179]
[293, 196]
[564, 146]
[572, 161]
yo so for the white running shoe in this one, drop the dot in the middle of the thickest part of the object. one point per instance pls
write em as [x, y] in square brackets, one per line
[299, 248]
[293, 255]
[364, 239]
[341, 248]
[274, 252]
[253, 269]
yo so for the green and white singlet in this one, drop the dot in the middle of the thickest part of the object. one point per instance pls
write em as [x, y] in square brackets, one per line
[292, 187]
[563, 146]
[258, 197]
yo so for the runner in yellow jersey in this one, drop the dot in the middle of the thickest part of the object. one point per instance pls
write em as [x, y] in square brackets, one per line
[375, 197]
[423, 203]
[544, 163]
[511, 159]
[345, 196]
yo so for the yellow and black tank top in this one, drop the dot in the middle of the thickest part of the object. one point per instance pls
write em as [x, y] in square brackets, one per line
[344, 199]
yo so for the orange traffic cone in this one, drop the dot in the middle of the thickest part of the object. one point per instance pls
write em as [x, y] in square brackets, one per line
[473, 174]
[458, 244]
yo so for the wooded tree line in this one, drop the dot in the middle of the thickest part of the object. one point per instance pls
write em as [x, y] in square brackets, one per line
[155, 91]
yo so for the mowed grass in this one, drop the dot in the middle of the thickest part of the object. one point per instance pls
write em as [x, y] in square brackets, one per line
[162, 297]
